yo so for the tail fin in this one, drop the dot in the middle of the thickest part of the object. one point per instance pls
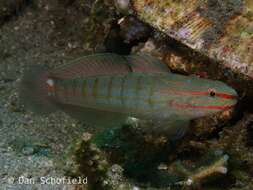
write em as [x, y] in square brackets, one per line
[33, 90]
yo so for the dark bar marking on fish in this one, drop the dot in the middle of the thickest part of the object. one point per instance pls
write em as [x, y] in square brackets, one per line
[95, 88]
[90, 87]
[109, 89]
[61, 91]
[66, 86]
[137, 91]
[74, 86]
[69, 87]
[84, 88]
[122, 90]
[151, 93]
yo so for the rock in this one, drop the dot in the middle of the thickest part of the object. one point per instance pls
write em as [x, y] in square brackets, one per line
[28, 150]
[220, 30]
[76, 22]
[133, 30]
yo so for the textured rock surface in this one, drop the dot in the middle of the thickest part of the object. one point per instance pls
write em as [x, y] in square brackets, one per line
[221, 30]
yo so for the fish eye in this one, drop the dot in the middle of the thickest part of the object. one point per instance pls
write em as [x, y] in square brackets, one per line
[212, 92]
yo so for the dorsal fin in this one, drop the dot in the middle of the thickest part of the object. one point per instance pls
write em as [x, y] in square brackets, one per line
[146, 63]
[109, 63]
[92, 65]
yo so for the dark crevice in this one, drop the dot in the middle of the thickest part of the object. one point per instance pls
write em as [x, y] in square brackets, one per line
[12, 9]
[249, 126]
[114, 42]
[129, 33]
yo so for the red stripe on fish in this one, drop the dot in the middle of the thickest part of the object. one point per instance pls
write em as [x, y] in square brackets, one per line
[188, 92]
[226, 96]
[177, 105]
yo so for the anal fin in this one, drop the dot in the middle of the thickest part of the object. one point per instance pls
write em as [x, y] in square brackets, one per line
[101, 119]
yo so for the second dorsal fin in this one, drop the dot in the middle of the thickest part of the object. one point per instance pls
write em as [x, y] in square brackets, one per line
[146, 63]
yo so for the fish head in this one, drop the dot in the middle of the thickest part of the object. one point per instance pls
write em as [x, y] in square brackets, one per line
[194, 97]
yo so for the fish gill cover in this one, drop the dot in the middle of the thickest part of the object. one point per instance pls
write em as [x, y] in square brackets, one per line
[221, 30]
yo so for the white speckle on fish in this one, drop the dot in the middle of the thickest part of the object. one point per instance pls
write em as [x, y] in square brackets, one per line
[50, 82]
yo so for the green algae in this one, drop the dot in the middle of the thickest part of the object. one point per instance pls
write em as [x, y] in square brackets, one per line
[92, 163]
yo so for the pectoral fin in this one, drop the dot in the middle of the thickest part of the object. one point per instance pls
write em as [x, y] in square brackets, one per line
[175, 129]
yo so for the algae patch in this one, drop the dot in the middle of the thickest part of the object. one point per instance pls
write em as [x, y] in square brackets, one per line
[219, 13]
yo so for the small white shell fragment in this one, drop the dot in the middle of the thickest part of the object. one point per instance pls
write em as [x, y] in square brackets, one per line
[122, 5]
[189, 182]
[162, 167]
[136, 188]
[132, 121]
[222, 170]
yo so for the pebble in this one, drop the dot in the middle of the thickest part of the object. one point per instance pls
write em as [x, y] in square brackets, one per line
[28, 150]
